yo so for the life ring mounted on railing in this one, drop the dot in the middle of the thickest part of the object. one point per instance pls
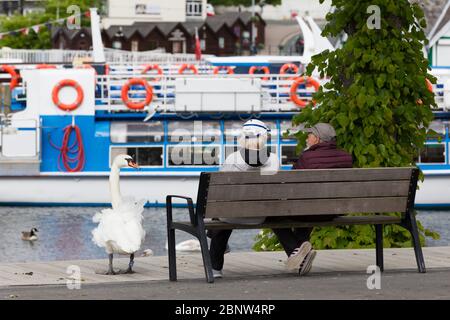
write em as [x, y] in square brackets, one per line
[187, 66]
[228, 69]
[429, 87]
[45, 66]
[67, 83]
[137, 105]
[265, 70]
[153, 67]
[309, 82]
[289, 66]
[14, 75]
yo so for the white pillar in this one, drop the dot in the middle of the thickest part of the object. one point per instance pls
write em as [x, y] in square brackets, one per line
[97, 44]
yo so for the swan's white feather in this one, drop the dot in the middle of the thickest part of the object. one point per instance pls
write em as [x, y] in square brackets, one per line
[120, 230]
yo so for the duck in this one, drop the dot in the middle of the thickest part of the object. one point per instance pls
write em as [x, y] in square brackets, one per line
[120, 228]
[31, 235]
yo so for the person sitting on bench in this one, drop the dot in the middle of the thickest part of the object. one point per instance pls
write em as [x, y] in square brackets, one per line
[253, 155]
[320, 153]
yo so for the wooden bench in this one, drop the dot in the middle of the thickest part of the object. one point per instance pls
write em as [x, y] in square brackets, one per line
[373, 191]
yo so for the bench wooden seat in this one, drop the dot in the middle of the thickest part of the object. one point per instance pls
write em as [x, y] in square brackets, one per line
[338, 221]
[299, 193]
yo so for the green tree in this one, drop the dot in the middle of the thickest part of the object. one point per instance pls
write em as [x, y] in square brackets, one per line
[376, 99]
[53, 8]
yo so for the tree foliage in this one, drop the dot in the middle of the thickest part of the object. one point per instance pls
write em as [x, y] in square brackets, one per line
[376, 99]
[42, 40]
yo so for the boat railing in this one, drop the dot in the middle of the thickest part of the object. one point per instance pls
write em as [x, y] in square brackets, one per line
[135, 70]
[112, 56]
[273, 90]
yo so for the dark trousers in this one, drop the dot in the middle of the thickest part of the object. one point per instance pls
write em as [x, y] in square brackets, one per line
[290, 238]
[219, 240]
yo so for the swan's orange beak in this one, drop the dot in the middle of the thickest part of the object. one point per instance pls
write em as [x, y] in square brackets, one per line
[133, 164]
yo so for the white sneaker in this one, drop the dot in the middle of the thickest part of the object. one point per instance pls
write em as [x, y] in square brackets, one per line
[306, 265]
[296, 258]
[217, 274]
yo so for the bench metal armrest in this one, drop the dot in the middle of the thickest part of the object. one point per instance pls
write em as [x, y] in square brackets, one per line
[190, 207]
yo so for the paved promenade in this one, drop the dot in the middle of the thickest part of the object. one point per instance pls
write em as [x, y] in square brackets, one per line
[336, 274]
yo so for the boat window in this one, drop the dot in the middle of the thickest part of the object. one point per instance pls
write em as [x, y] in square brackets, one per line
[205, 155]
[433, 153]
[284, 126]
[144, 156]
[288, 155]
[194, 131]
[137, 132]
[439, 128]
[232, 130]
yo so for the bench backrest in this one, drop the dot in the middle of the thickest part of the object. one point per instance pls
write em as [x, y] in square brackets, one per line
[306, 192]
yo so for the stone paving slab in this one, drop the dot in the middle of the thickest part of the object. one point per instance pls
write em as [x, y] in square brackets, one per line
[237, 264]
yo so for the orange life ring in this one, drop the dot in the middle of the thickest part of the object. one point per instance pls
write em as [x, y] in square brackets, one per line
[136, 105]
[429, 85]
[14, 75]
[256, 68]
[309, 82]
[188, 66]
[86, 66]
[289, 66]
[45, 66]
[229, 70]
[106, 69]
[153, 67]
[67, 83]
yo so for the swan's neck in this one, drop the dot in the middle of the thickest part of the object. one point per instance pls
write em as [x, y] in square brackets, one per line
[116, 197]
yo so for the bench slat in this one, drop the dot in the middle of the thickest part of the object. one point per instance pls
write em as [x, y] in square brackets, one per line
[316, 175]
[304, 207]
[308, 190]
[338, 221]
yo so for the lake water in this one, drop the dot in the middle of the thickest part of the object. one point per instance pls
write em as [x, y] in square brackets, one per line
[65, 232]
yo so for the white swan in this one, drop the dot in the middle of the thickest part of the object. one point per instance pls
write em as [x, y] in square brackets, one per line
[120, 229]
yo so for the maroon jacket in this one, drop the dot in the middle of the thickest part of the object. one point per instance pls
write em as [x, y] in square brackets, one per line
[323, 155]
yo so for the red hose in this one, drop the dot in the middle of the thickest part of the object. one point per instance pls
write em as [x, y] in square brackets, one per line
[67, 151]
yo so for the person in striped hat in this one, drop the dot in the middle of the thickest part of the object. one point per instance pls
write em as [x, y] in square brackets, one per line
[253, 155]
